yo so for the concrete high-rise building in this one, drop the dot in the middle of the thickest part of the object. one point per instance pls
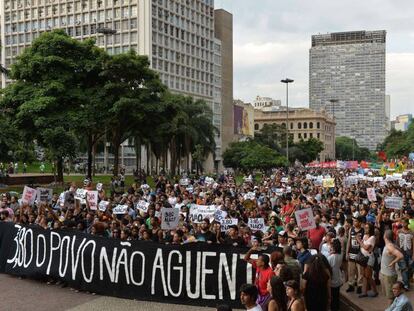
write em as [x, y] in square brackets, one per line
[178, 36]
[347, 79]
[223, 29]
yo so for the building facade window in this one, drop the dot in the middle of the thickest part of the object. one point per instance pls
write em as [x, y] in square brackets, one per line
[299, 125]
[311, 125]
[305, 125]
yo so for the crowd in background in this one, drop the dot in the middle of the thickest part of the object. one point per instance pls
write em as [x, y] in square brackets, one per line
[355, 240]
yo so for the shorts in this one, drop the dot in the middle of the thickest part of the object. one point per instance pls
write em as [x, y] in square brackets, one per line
[371, 260]
[387, 283]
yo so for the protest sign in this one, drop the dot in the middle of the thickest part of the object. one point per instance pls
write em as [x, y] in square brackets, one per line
[227, 222]
[256, 224]
[99, 186]
[44, 195]
[184, 182]
[328, 182]
[350, 180]
[371, 194]
[103, 205]
[199, 212]
[169, 218]
[393, 202]
[120, 209]
[62, 199]
[285, 180]
[401, 182]
[92, 197]
[29, 195]
[81, 195]
[219, 215]
[142, 206]
[304, 219]
[250, 196]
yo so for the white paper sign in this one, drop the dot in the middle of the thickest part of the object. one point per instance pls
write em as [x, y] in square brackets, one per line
[371, 194]
[29, 195]
[199, 212]
[285, 180]
[227, 222]
[219, 215]
[250, 196]
[120, 209]
[393, 202]
[304, 219]
[81, 195]
[44, 195]
[184, 181]
[62, 199]
[103, 205]
[169, 218]
[256, 224]
[143, 206]
[92, 197]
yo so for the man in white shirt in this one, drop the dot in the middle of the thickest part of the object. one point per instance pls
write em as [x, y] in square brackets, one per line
[400, 302]
[248, 296]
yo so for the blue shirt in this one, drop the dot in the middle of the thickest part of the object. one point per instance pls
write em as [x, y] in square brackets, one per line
[400, 303]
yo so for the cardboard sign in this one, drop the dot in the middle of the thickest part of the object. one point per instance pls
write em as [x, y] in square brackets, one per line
[169, 218]
[328, 183]
[120, 209]
[227, 222]
[142, 206]
[256, 224]
[371, 195]
[199, 212]
[44, 195]
[219, 215]
[29, 195]
[393, 202]
[304, 219]
[81, 195]
[92, 197]
[103, 205]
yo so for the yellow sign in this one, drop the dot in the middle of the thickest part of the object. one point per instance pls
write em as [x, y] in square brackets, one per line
[328, 183]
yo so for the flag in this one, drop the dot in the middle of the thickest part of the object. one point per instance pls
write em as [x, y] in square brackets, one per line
[382, 155]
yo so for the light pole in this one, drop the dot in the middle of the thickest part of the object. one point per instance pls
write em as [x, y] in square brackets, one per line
[333, 101]
[287, 81]
[105, 32]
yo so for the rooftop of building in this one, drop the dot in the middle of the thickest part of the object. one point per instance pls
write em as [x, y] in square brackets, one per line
[349, 37]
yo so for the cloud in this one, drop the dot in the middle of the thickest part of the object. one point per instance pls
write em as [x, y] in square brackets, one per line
[272, 41]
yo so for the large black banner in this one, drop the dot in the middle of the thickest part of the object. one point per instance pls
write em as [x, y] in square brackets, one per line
[196, 274]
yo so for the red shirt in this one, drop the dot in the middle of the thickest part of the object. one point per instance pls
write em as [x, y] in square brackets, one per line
[316, 235]
[262, 277]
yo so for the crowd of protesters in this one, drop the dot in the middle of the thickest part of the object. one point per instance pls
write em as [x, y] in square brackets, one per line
[355, 240]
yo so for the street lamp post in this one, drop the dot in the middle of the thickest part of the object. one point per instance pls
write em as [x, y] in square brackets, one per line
[106, 32]
[333, 101]
[287, 81]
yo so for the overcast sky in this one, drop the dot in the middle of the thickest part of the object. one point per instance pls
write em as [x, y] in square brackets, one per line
[272, 40]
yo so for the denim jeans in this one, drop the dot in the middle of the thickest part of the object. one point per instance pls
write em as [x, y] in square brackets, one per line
[406, 266]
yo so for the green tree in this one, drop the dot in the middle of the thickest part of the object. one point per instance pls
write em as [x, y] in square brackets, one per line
[348, 149]
[249, 155]
[308, 150]
[133, 91]
[48, 92]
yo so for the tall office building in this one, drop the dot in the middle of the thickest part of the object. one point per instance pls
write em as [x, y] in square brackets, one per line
[178, 36]
[347, 79]
[223, 29]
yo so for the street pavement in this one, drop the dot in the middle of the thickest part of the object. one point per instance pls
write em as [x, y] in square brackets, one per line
[23, 294]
